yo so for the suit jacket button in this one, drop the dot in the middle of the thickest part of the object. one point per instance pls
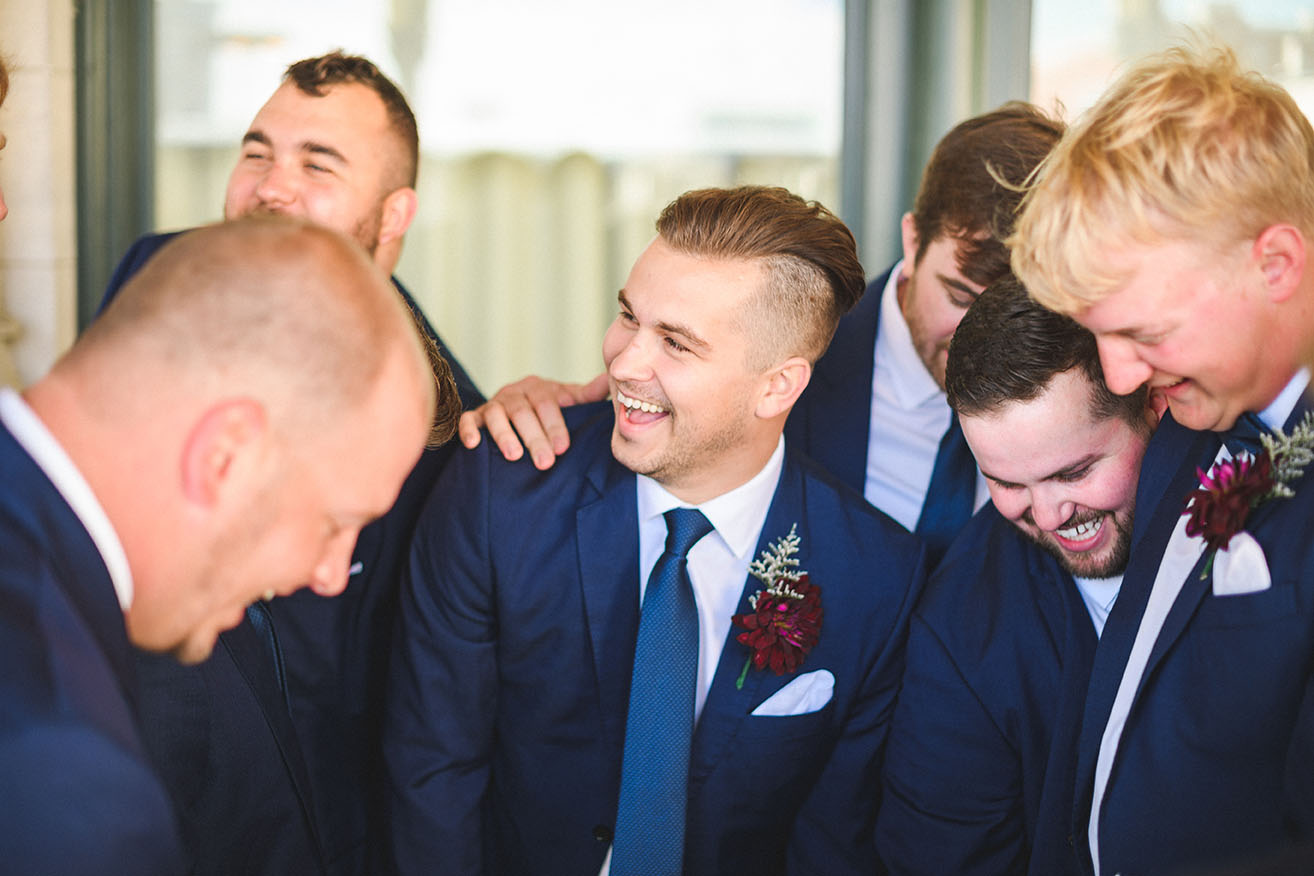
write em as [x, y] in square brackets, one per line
[1072, 841]
[602, 833]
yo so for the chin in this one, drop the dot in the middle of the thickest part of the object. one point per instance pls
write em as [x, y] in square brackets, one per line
[196, 648]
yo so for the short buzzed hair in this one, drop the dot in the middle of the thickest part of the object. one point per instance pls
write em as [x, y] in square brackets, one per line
[313, 75]
[269, 306]
[1008, 348]
[813, 276]
[971, 185]
[1185, 145]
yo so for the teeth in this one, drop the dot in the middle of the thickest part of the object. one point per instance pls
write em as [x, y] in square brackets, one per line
[1082, 531]
[635, 405]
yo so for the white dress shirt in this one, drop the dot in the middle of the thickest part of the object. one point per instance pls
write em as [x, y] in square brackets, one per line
[909, 416]
[32, 434]
[1099, 594]
[1179, 558]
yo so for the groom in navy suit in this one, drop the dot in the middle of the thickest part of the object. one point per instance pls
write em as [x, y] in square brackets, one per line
[874, 414]
[1175, 222]
[1001, 643]
[181, 461]
[534, 724]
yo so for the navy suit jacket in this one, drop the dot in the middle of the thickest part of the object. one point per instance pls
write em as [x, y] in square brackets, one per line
[999, 654]
[1216, 761]
[510, 679]
[80, 796]
[221, 734]
[831, 418]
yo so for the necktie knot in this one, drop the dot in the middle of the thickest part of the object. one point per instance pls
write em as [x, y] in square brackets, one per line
[684, 528]
[1244, 435]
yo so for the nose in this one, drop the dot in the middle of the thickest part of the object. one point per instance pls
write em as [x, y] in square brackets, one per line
[1049, 510]
[633, 361]
[1124, 370]
[277, 187]
[331, 573]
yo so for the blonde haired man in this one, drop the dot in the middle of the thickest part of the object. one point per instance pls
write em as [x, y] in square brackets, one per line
[1173, 221]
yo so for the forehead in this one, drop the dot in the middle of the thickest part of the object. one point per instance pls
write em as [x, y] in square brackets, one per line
[350, 113]
[1028, 441]
[712, 287]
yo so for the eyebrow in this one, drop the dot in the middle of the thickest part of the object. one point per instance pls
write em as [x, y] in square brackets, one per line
[255, 136]
[1072, 467]
[670, 328]
[952, 283]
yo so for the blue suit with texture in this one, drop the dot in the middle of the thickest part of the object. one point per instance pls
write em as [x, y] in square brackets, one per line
[978, 764]
[286, 782]
[511, 674]
[1216, 762]
[80, 795]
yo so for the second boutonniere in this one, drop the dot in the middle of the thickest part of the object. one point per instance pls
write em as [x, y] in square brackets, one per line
[1219, 508]
[785, 622]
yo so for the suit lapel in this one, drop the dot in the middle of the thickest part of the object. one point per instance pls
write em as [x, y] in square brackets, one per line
[250, 654]
[726, 705]
[607, 543]
[1191, 449]
[841, 388]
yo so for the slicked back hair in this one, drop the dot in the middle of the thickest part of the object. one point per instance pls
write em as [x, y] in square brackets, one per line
[314, 75]
[813, 276]
[1008, 348]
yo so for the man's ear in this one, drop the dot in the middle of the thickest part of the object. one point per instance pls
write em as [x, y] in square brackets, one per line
[908, 231]
[784, 384]
[397, 213]
[215, 445]
[1280, 252]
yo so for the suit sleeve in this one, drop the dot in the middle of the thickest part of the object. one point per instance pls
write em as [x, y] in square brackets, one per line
[832, 834]
[442, 697]
[952, 799]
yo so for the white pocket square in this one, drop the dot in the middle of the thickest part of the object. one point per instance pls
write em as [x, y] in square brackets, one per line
[807, 693]
[1241, 568]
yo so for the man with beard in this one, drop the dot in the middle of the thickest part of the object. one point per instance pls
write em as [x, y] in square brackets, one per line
[286, 711]
[875, 413]
[1000, 647]
[552, 713]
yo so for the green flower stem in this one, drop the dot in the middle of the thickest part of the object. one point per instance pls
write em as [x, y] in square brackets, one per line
[739, 683]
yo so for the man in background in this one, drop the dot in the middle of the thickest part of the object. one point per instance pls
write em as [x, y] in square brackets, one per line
[336, 144]
[181, 461]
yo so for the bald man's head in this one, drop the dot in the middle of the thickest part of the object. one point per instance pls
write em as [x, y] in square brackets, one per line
[254, 396]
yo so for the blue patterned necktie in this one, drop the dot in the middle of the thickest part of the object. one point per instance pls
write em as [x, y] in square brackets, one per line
[949, 498]
[649, 839]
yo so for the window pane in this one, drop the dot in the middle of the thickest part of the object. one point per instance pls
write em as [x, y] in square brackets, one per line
[552, 134]
[1078, 45]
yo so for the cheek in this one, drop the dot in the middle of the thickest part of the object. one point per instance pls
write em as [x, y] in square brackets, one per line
[1010, 503]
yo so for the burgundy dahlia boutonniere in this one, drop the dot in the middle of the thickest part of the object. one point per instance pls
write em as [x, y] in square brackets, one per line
[785, 622]
[1217, 511]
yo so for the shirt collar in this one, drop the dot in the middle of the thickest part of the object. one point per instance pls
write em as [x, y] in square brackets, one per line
[45, 450]
[911, 385]
[1276, 414]
[737, 515]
